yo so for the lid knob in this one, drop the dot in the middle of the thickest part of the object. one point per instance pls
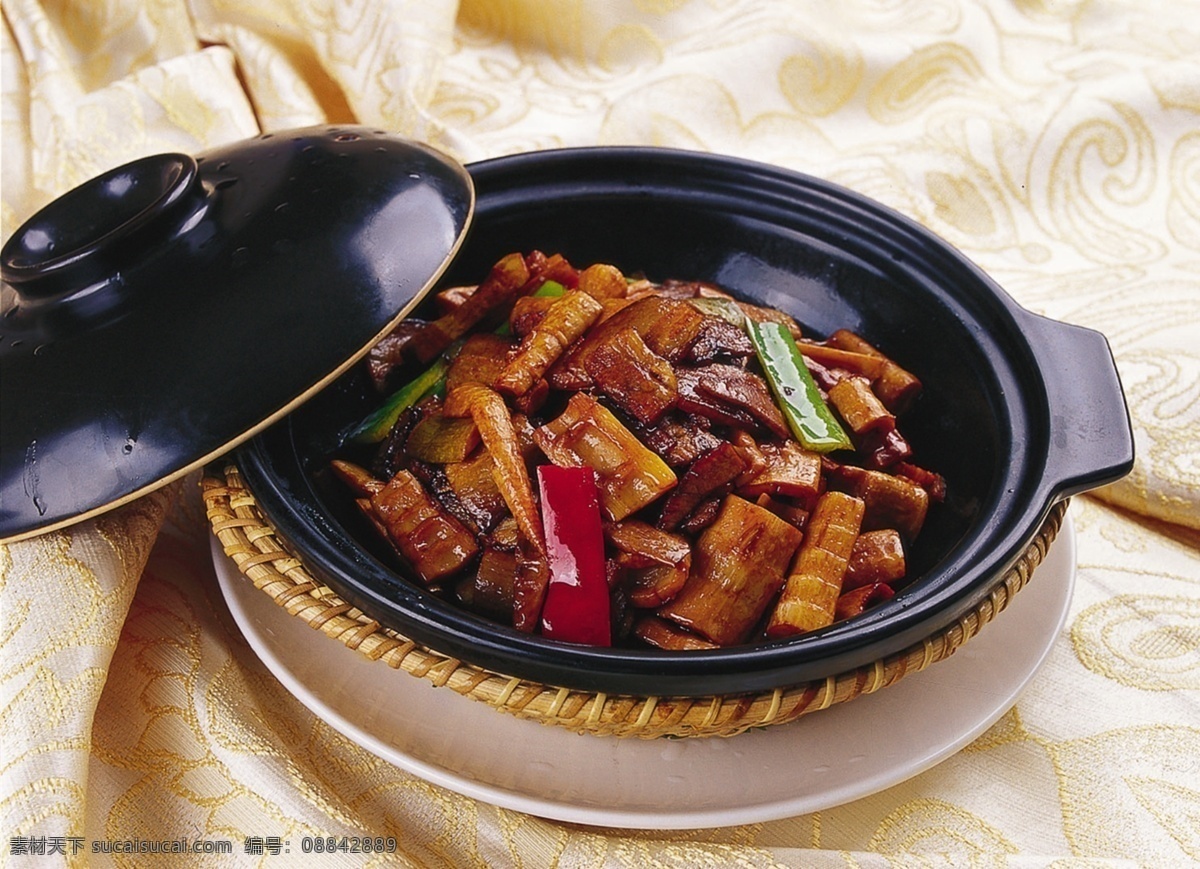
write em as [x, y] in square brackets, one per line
[83, 238]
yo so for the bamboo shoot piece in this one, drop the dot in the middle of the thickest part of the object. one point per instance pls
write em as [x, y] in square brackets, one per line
[895, 386]
[480, 360]
[859, 407]
[529, 589]
[474, 484]
[603, 281]
[491, 416]
[857, 363]
[563, 323]
[440, 439]
[503, 284]
[892, 502]
[587, 434]
[737, 568]
[809, 598]
[491, 589]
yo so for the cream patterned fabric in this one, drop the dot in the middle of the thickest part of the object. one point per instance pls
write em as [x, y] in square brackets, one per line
[1056, 143]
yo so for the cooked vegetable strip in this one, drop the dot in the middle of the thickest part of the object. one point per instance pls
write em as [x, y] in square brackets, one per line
[474, 485]
[862, 364]
[737, 568]
[892, 502]
[810, 596]
[491, 416]
[712, 472]
[811, 421]
[576, 609]
[860, 407]
[491, 589]
[877, 556]
[358, 479]
[480, 360]
[664, 635]
[430, 539]
[504, 283]
[638, 380]
[375, 427]
[529, 590]
[564, 322]
[441, 440]
[587, 434]
[895, 387]
[791, 471]
[602, 281]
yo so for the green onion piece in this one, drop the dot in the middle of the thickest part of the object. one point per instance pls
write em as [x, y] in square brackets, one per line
[727, 309]
[551, 289]
[375, 427]
[432, 381]
[810, 419]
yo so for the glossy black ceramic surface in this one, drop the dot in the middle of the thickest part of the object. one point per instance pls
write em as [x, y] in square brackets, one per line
[165, 310]
[1018, 411]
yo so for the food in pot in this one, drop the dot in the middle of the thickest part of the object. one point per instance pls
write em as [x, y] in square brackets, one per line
[609, 460]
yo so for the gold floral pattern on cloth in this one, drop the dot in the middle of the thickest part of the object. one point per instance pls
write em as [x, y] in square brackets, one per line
[1057, 144]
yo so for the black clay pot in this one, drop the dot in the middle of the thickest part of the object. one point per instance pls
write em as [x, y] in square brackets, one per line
[1018, 411]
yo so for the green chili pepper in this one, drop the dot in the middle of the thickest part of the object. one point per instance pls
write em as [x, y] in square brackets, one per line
[375, 427]
[810, 419]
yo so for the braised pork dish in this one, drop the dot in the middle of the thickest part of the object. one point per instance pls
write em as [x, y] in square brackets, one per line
[608, 460]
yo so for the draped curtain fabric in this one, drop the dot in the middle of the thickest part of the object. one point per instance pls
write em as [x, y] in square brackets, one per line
[1056, 143]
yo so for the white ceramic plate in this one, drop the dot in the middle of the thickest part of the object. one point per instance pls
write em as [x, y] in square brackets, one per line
[822, 760]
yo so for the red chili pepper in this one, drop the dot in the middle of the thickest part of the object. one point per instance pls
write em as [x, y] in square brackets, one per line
[577, 604]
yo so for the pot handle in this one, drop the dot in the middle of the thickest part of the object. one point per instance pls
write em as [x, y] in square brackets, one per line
[1091, 438]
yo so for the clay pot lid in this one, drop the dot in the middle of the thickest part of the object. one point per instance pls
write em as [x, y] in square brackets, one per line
[160, 314]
